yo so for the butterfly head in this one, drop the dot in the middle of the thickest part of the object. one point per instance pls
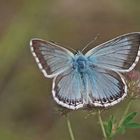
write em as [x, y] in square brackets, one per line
[80, 62]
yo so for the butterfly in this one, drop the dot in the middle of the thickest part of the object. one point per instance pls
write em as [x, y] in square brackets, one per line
[91, 79]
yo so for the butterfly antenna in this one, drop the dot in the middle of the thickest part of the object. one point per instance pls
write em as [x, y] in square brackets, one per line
[67, 47]
[72, 49]
[95, 38]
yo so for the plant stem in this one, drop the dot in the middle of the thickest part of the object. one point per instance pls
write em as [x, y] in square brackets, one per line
[101, 124]
[70, 128]
[125, 112]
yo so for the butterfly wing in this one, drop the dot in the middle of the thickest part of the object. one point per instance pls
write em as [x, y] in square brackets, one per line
[120, 54]
[97, 87]
[67, 89]
[104, 87]
[52, 59]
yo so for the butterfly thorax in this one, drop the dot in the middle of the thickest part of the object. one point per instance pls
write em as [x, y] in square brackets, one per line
[80, 63]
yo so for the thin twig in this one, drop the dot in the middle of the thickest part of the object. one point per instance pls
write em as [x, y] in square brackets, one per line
[70, 128]
[101, 124]
[125, 112]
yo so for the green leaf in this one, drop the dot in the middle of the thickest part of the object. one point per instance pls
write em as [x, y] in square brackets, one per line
[108, 126]
[133, 125]
[121, 130]
[129, 118]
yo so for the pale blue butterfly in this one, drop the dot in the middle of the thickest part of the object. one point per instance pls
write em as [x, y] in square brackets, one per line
[93, 78]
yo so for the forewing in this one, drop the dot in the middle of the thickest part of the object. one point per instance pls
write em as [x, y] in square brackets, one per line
[120, 54]
[104, 87]
[51, 58]
[67, 89]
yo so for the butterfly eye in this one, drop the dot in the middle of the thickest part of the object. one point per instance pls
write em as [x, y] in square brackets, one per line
[76, 52]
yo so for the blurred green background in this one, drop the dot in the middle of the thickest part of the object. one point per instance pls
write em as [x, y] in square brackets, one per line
[27, 109]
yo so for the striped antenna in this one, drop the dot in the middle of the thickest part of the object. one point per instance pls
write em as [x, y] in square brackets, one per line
[95, 38]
